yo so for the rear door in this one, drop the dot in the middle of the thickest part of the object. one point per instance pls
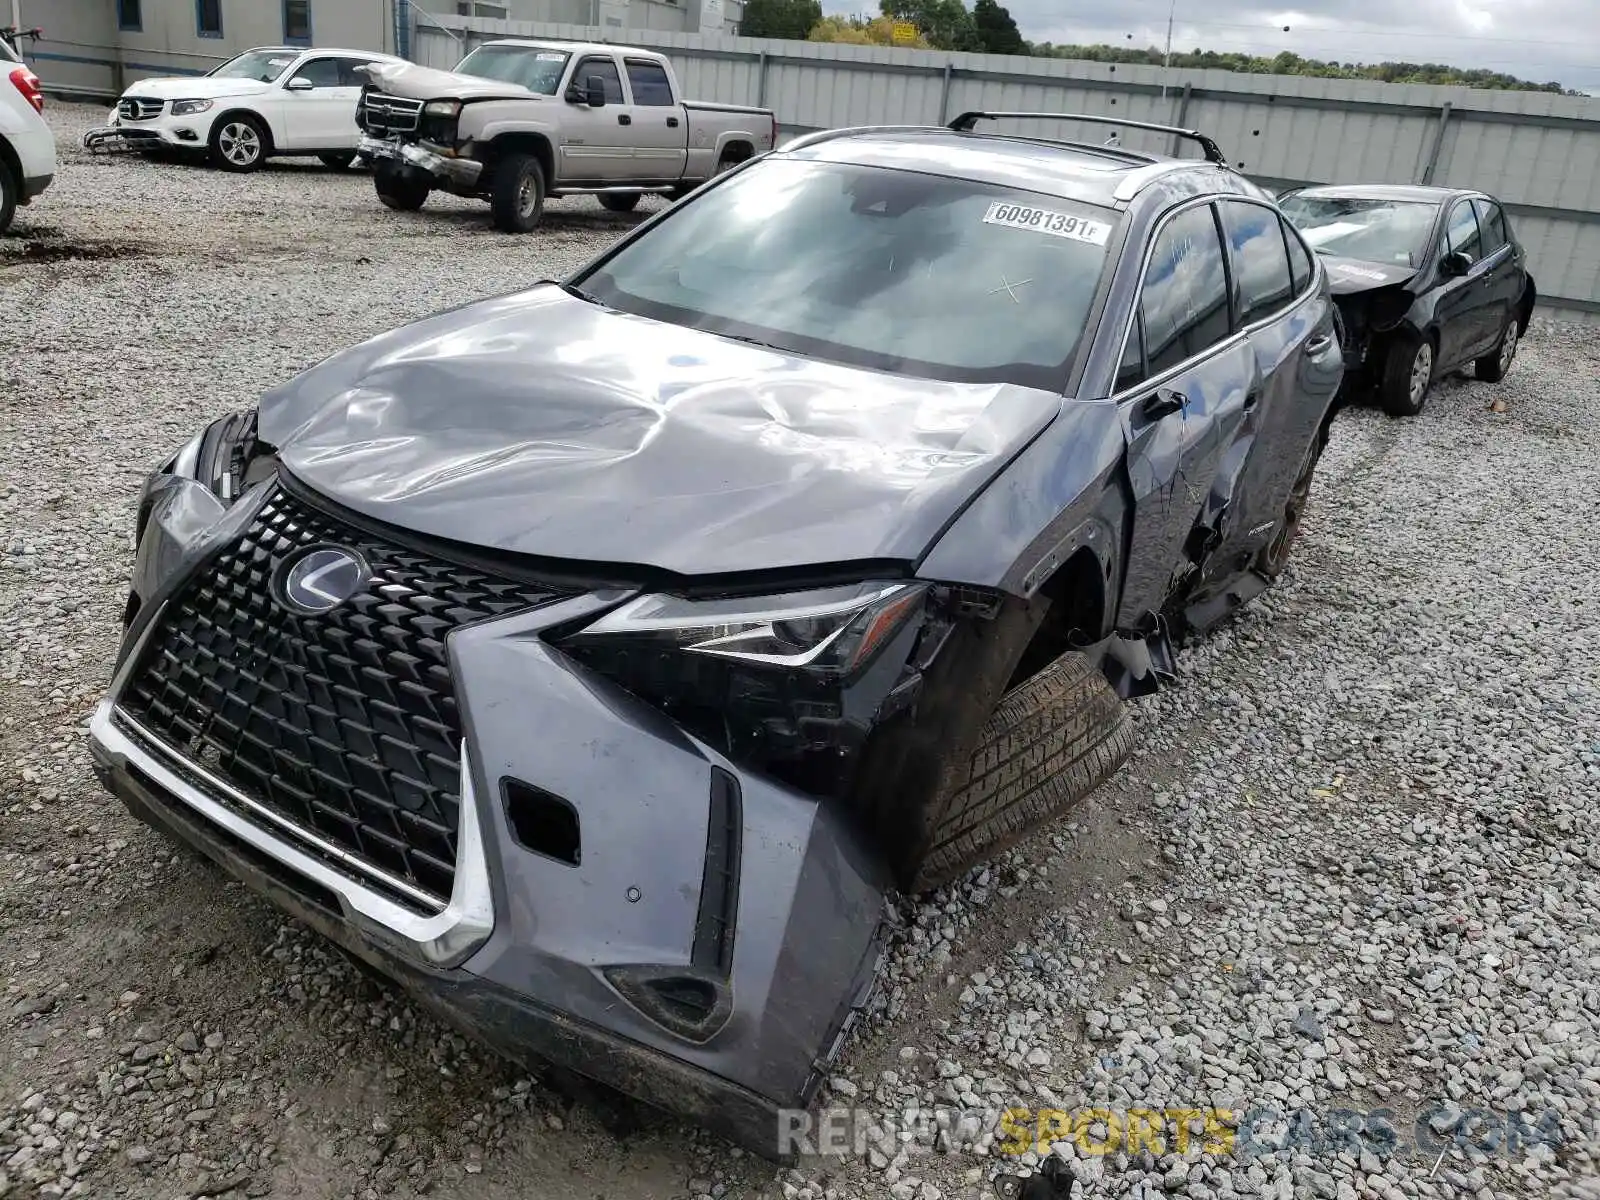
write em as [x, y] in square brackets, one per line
[1183, 387]
[1502, 267]
[1296, 368]
[323, 117]
[597, 143]
[660, 132]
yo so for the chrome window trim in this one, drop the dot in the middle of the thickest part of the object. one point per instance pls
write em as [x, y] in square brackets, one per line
[1238, 335]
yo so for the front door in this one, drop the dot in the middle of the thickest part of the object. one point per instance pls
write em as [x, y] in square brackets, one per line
[1462, 308]
[597, 143]
[1183, 388]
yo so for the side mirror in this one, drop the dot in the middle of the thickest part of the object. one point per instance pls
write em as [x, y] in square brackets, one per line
[1455, 264]
[298, 84]
[593, 93]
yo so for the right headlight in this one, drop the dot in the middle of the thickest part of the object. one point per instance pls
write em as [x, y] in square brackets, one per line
[225, 457]
[826, 632]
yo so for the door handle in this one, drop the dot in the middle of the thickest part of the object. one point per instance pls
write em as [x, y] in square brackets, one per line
[672, 122]
[624, 119]
[1163, 403]
[1318, 344]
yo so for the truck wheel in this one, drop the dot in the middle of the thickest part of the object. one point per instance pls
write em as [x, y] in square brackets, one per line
[400, 188]
[516, 196]
[620, 202]
[8, 197]
[239, 143]
[338, 162]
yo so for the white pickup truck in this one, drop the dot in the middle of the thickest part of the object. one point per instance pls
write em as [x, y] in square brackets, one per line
[518, 121]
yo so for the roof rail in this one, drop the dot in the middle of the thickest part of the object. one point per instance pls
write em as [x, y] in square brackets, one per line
[968, 120]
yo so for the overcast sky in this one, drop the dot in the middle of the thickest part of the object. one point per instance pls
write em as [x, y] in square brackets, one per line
[1535, 39]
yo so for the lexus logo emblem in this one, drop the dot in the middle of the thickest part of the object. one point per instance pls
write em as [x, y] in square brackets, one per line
[322, 579]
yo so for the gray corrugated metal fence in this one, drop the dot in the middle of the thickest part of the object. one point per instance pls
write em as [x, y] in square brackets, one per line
[1538, 152]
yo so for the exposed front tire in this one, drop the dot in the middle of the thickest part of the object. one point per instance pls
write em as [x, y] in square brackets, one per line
[1408, 369]
[239, 143]
[10, 189]
[983, 759]
[399, 188]
[1053, 739]
[516, 194]
[620, 202]
[337, 162]
[1494, 366]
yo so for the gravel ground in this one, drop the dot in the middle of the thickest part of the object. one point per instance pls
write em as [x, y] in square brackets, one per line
[1351, 866]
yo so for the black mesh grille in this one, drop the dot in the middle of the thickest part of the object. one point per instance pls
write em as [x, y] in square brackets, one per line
[345, 723]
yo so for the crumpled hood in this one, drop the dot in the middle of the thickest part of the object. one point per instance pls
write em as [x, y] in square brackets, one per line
[196, 87]
[1347, 276]
[427, 83]
[540, 424]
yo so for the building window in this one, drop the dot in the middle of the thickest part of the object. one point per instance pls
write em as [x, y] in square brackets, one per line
[208, 18]
[129, 17]
[297, 22]
[473, 8]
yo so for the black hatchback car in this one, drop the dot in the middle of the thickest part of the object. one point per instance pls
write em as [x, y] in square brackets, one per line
[1428, 280]
[595, 659]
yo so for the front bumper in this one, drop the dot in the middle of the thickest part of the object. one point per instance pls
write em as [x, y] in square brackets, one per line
[549, 960]
[181, 133]
[463, 172]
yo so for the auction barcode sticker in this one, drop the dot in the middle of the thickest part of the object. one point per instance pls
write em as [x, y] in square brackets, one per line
[1045, 220]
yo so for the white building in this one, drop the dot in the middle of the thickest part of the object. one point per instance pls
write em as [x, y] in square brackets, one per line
[96, 47]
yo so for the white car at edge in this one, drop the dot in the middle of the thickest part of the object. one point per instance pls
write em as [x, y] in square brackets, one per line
[27, 147]
[270, 101]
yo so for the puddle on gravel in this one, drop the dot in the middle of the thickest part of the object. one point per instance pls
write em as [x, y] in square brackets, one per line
[50, 250]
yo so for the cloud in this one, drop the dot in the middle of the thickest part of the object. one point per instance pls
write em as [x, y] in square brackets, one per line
[1535, 39]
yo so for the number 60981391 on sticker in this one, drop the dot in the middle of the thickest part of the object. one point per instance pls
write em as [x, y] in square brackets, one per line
[1047, 220]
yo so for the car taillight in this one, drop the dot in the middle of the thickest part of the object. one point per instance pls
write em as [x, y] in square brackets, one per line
[26, 82]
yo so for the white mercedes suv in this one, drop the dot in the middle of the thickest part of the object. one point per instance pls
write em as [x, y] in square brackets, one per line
[27, 147]
[272, 101]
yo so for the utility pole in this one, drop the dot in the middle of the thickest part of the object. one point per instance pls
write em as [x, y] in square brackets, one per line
[1167, 65]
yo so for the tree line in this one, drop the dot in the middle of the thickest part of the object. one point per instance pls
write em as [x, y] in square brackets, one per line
[988, 28]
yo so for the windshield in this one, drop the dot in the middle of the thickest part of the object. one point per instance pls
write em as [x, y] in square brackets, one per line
[537, 70]
[1378, 231]
[892, 270]
[263, 66]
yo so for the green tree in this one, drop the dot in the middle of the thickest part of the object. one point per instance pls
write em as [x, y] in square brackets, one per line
[1286, 63]
[997, 32]
[945, 23]
[856, 32]
[780, 18]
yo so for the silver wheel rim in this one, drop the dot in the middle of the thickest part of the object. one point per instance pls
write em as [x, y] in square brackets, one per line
[239, 144]
[1421, 372]
[1508, 346]
[527, 197]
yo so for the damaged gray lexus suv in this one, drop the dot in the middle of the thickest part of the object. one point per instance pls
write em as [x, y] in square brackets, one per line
[596, 661]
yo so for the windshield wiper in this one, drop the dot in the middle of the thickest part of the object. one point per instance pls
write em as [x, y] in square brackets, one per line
[750, 341]
[577, 293]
